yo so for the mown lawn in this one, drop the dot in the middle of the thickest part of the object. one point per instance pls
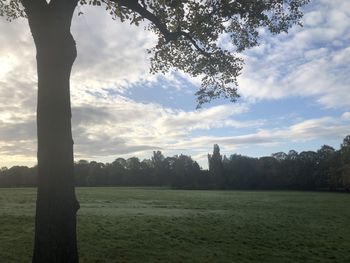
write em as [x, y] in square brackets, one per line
[160, 225]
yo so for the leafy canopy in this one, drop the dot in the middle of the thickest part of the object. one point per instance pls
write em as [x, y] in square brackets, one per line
[190, 31]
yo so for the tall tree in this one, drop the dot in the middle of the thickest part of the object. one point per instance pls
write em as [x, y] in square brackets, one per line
[159, 165]
[188, 33]
[324, 165]
[307, 166]
[345, 163]
[216, 168]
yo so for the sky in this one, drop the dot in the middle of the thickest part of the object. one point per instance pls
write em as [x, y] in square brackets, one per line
[294, 93]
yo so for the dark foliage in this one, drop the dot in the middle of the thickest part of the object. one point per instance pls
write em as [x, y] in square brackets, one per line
[325, 169]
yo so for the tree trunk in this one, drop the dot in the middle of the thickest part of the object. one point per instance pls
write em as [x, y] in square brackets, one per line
[56, 207]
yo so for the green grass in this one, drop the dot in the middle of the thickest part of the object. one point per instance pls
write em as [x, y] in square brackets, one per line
[159, 225]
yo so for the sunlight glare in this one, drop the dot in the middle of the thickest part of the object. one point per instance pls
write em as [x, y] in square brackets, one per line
[5, 66]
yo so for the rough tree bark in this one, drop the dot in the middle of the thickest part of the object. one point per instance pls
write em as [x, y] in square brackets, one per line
[55, 225]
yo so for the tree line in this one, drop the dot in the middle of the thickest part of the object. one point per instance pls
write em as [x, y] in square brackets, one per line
[324, 169]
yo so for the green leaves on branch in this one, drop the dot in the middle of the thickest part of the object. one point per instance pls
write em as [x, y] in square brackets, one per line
[207, 24]
[11, 9]
[193, 35]
[202, 38]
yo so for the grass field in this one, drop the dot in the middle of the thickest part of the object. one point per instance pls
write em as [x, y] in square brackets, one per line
[159, 225]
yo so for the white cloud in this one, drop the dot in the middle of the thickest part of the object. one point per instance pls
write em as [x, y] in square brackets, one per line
[346, 115]
[312, 61]
[122, 126]
[309, 62]
[326, 128]
[111, 54]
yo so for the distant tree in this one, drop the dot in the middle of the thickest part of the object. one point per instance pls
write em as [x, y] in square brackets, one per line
[18, 176]
[345, 162]
[269, 175]
[346, 177]
[188, 33]
[185, 172]
[346, 142]
[280, 156]
[30, 177]
[292, 168]
[160, 168]
[81, 172]
[133, 167]
[147, 173]
[167, 176]
[121, 161]
[292, 155]
[96, 175]
[216, 168]
[335, 174]
[117, 172]
[325, 166]
[179, 167]
[243, 172]
[229, 171]
[307, 163]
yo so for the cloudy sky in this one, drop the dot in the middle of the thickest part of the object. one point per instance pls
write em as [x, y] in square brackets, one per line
[294, 93]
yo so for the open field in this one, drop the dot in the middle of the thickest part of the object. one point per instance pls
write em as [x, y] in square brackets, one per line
[159, 225]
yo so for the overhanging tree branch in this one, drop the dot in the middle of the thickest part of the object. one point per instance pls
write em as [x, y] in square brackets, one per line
[168, 35]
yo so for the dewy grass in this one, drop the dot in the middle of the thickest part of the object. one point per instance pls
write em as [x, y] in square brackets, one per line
[162, 225]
